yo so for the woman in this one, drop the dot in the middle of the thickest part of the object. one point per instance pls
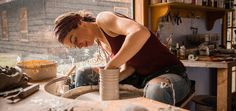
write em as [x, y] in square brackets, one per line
[143, 60]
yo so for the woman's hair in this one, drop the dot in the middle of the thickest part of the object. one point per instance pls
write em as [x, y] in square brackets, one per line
[64, 23]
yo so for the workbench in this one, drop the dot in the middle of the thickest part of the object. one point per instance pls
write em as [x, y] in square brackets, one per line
[44, 101]
[224, 80]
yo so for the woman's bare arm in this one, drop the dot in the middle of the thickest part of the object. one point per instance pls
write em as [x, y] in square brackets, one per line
[136, 36]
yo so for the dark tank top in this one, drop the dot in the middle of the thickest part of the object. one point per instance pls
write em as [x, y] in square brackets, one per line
[151, 58]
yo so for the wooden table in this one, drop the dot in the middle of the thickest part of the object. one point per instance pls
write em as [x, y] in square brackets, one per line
[224, 80]
[44, 101]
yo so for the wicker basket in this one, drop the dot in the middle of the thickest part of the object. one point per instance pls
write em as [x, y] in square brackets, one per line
[39, 69]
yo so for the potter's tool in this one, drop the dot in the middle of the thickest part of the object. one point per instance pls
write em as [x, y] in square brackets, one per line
[23, 93]
[71, 69]
[10, 92]
[68, 73]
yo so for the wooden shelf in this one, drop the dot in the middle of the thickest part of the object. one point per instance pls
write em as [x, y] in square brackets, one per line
[184, 10]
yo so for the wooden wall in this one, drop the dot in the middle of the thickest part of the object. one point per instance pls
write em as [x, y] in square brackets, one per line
[30, 22]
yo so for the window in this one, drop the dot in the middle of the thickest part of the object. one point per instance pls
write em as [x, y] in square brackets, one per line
[4, 26]
[23, 24]
[122, 10]
[231, 28]
[119, 0]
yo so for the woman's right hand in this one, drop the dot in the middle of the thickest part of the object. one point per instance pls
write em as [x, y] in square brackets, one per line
[126, 71]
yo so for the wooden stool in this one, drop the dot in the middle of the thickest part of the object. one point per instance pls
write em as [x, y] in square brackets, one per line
[188, 98]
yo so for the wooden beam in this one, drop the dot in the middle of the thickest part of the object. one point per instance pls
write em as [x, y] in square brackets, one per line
[224, 31]
[224, 81]
[141, 11]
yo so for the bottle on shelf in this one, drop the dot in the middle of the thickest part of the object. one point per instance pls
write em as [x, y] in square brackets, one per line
[204, 3]
[177, 50]
[199, 2]
[215, 3]
[209, 3]
[182, 52]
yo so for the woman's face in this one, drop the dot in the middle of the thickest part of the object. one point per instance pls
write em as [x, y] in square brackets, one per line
[79, 37]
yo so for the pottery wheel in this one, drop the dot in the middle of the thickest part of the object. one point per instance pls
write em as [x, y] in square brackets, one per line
[91, 93]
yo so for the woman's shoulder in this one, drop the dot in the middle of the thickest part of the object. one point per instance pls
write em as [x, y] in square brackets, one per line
[104, 14]
[105, 18]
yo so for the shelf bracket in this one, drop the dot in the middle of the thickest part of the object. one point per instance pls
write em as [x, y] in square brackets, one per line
[211, 17]
[157, 13]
